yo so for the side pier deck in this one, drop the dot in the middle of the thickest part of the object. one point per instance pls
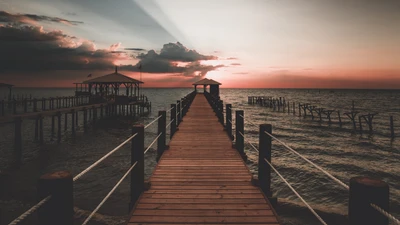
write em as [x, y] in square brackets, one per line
[201, 179]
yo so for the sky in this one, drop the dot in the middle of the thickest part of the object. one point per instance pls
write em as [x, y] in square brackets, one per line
[240, 43]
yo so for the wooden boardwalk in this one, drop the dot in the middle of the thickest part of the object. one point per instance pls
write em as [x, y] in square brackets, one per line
[201, 179]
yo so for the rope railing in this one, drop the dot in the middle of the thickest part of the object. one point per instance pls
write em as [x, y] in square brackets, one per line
[169, 124]
[377, 208]
[82, 173]
[310, 162]
[108, 195]
[30, 211]
[170, 109]
[152, 122]
[103, 158]
[296, 193]
[152, 143]
[386, 214]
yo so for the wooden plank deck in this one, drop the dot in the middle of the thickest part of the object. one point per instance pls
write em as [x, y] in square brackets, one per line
[201, 179]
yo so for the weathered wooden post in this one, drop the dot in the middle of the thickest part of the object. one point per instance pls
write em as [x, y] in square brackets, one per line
[73, 122]
[299, 109]
[35, 105]
[15, 107]
[221, 111]
[294, 108]
[359, 121]
[84, 120]
[60, 207]
[340, 118]
[52, 125]
[391, 127]
[2, 108]
[65, 121]
[264, 170]
[41, 139]
[36, 128]
[76, 117]
[137, 155]
[178, 111]
[161, 130]
[18, 141]
[364, 191]
[25, 105]
[239, 144]
[58, 127]
[173, 121]
[228, 127]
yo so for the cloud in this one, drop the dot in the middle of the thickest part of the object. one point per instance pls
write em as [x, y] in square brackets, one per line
[114, 47]
[6, 17]
[232, 58]
[170, 57]
[241, 73]
[236, 64]
[135, 49]
[31, 48]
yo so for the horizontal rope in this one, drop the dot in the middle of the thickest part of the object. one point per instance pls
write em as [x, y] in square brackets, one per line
[307, 160]
[169, 124]
[103, 158]
[152, 121]
[29, 211]
[297, 194]
[152, 143]
[388, 215]
[170, 109]
[109, 194]
[248, 121]
[230, 121]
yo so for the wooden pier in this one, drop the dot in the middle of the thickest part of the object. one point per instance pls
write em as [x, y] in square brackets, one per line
[202, 179]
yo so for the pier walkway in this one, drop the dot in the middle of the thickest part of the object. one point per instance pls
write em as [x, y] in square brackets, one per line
[202, 179]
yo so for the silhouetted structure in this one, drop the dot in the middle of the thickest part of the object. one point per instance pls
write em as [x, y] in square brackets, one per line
[107, 87]
[9, 86]
[214, 86]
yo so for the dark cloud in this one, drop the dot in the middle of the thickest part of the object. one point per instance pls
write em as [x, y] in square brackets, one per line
[167, 61]
[236, 64]
[31, 48]
[6, 17]
[178, 52]
[135, 49]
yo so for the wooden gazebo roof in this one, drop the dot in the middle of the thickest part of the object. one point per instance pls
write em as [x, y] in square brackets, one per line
[206, 81]
[112, 79]
[6, 85]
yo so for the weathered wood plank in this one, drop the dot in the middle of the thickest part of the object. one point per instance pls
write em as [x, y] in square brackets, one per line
[201, 179]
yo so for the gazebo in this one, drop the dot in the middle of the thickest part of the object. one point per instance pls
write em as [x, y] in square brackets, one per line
[9, 86]
[108, 87]
[214, 85]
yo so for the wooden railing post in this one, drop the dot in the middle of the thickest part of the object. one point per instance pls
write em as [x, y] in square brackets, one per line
[84, 120]
[178, 112]
[60, 208]
[391, 127]
[221, 111]
[35, 105]
[173, 121]
[239, 144]
[18, 142]
[228, 127]
[161, 130]
[264, 170]
[137, 155]
[363, 192]
[58, 127]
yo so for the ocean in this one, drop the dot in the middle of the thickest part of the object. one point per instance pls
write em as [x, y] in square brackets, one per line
[343, 152]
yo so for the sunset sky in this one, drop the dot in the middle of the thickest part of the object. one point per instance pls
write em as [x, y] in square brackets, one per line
[240, 43]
